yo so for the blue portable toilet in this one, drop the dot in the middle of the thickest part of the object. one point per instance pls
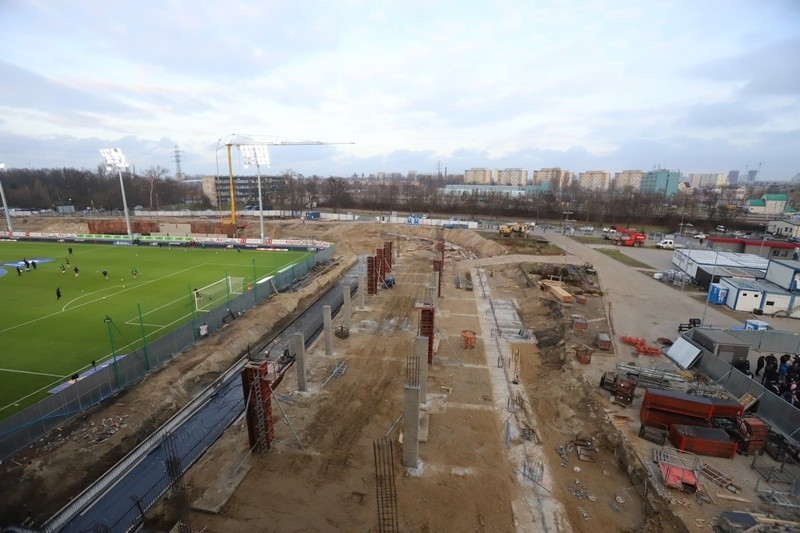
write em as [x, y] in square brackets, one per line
[717, 293]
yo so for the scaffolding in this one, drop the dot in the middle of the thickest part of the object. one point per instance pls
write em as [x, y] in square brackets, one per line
[260, 426]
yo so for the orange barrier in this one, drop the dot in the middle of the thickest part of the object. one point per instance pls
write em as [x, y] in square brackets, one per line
[468, 339]
[641, 345]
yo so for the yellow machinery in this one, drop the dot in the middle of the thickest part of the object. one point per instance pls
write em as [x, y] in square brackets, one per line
[515, 229]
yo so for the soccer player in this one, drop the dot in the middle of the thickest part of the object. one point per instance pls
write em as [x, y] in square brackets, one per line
[105, 274]
[77, 272]
[58, 293]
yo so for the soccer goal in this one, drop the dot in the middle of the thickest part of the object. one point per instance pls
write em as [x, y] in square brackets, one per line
[217, 293]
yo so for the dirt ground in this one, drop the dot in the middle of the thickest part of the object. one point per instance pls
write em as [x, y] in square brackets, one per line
[482, 427]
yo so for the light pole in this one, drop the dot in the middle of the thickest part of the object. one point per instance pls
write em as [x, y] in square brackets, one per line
[256, 154]
[761, 248]
[116, 159]
[708, 295]
[5, 205]
[566, 242]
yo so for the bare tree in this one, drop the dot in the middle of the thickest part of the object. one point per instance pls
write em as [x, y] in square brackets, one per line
[152, 175]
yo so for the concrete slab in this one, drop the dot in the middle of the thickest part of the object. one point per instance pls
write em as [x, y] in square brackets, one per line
[217, 495]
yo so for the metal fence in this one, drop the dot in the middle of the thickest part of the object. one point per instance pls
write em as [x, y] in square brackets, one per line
[775, 410]
[25, 427]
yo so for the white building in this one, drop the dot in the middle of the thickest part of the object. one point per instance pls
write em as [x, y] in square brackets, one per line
[708, 180]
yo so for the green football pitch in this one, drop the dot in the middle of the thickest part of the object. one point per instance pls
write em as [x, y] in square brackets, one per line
[147, 291]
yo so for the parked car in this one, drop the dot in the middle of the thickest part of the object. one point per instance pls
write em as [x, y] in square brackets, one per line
[700, 236]
[609, 233]
[586, 228]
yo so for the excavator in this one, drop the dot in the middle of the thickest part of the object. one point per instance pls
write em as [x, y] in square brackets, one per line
[514, 229]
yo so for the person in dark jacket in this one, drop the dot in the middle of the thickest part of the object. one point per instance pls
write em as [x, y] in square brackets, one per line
[760, 365]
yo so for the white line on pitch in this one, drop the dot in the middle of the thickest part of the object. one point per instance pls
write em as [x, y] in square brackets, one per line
[29, 372]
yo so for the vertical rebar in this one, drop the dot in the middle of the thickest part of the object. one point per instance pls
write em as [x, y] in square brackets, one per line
[385, 489]
[179, 498]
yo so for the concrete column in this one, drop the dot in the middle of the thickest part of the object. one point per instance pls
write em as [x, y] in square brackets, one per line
[430, 296]
[348, 311]
[328, 329]
[411, 428]
[362, 290]
[436, 282]
[421, 352]
[300, 361]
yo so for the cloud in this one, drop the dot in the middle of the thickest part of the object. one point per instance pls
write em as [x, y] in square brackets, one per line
[770, 69]
[722, 115]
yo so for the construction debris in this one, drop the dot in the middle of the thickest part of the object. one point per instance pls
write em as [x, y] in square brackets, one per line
[586, 445]
[736, 522]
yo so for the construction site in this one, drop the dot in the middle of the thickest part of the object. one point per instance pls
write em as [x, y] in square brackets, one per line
[456, 387]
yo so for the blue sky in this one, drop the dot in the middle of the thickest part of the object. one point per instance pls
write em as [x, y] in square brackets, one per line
[693, 86]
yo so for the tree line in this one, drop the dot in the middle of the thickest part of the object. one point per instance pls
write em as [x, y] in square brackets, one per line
[155, 190]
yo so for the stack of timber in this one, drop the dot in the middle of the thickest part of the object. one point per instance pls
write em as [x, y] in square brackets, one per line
[556, 288]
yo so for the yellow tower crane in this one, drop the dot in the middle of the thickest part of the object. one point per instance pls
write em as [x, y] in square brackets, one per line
[255, 152]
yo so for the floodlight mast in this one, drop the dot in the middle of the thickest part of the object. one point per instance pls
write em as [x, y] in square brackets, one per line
[257, 155]
[5, 205]
[116, 159]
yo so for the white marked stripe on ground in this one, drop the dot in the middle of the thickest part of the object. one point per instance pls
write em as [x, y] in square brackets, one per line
[32, 373]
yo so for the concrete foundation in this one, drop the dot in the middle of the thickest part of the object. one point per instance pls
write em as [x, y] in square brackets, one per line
[300, 361]
[411, 427]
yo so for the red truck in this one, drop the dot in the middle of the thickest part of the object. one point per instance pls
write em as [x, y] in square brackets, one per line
[629, 238]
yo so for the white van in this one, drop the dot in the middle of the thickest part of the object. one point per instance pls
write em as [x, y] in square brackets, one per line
[668, 244]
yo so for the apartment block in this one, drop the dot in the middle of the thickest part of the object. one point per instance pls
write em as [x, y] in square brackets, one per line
[481, 176]
[628, 179]
[661, 181]
[594, 180]
[707, 180]
[512, 176]
[556, 177]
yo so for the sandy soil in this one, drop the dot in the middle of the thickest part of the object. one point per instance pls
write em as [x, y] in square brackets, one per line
[469, 476]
